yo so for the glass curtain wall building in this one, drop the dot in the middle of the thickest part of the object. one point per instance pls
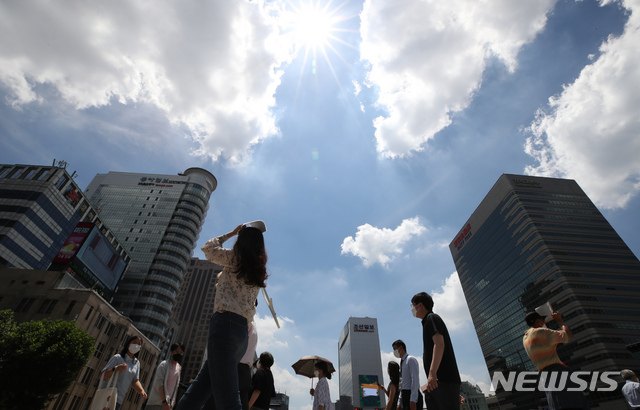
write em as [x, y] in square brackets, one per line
[158, 219]
[535, 240]
[360, 365]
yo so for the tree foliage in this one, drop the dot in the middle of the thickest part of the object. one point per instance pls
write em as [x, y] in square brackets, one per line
[39, 359]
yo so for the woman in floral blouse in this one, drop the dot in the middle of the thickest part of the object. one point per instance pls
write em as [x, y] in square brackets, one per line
[238, 284]
[321, 394]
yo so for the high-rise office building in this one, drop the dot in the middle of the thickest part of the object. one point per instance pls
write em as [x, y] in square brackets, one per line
[158, 219]
[534, 240]
[360, 365]
[194, 308]
[40, 206]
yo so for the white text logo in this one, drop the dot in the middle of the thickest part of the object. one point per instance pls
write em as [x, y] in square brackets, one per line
[554, 381]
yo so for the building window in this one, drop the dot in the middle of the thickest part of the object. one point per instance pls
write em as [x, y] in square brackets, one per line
[15, 173]
[25, 304]
[109, 329]
[47, 306]
[70, 307]
[99, 349]
[88, 375]
[61, 182]
[99, 322]
[75, 403]
[89, 313]
[29, 174]
[4, 171]
[41, 174]
[62, 399]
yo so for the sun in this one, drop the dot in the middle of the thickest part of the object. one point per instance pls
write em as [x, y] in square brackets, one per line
[313, 26]
[314, 29]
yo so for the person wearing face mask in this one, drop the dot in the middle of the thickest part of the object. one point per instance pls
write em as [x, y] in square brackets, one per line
[321, 394]
[128, 366]
[166, 381]
[442, 390]
[262, 385]
[410, 397]
[540, 343]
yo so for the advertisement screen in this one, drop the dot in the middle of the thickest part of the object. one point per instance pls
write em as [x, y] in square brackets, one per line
[369, 393]
[73, 243]
[101, 258]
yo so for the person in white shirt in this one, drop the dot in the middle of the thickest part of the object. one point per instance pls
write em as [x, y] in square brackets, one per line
[166, 381]
[410, 396]
[631, 388]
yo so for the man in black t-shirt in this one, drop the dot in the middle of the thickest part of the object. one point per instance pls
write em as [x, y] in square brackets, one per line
[442, 390]
[262, 384]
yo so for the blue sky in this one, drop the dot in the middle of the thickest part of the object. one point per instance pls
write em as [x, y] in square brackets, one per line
[364, 143]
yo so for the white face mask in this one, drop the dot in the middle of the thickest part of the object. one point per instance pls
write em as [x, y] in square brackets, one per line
[259, 365]
[396, 353]
[133, 348]
[316, 373]
[413, 311]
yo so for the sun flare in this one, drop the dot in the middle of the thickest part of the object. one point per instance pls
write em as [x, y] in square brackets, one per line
[312, 26]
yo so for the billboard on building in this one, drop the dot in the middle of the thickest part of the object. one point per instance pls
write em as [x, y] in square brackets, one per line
[102, 259]
[73, 242]
[91, 258]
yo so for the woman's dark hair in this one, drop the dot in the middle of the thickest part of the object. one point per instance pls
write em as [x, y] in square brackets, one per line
[125, 348]
[325, 369]
[394, 372]
[251, 257]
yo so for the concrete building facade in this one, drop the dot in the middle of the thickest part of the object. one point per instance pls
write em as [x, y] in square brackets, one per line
[193, 310]
[158, 219]
[360, 365]
[535, 240]
[36, 294]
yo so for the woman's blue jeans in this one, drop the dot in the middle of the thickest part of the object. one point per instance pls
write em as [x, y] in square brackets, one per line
[228, 338]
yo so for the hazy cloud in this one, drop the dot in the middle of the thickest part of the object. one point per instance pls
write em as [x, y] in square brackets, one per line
[267, 328]
[427, 59]
[590, 132]
[449, 302]
[374, 245]
[212, 66]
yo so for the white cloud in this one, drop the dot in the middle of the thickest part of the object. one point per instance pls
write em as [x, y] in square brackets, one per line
[357, 88]
[286, 381]
[269, 336]
[212, 66]
[374, 245]
[451, 305]
[427, 59]
[590, 133]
